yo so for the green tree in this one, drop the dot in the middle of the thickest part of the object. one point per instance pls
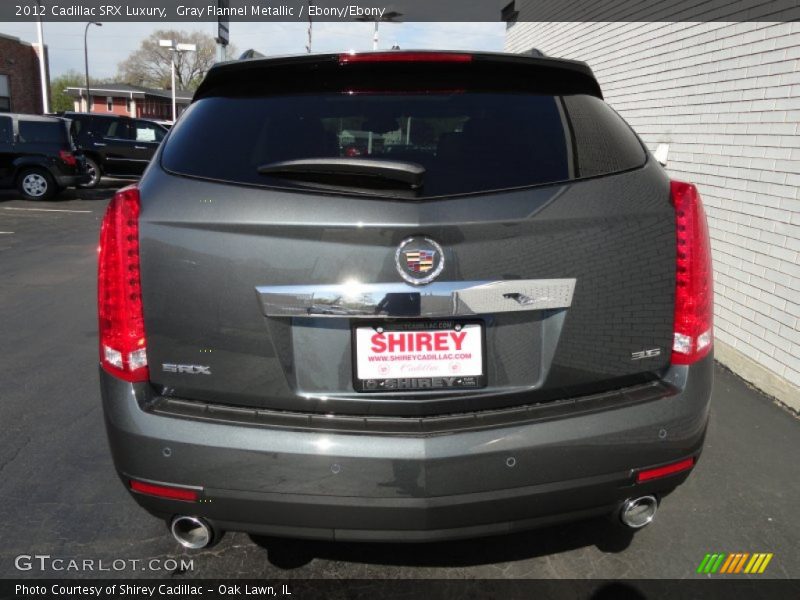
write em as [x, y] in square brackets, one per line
[151, 65]
[59, 100]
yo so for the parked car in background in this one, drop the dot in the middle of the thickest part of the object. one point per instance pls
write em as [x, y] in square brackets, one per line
[38, 156]
[115, 146]
[496, 316]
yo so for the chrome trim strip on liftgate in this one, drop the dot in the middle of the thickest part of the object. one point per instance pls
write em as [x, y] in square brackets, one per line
[439, 299]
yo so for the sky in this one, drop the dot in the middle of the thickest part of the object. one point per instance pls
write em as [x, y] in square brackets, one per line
[113, 42]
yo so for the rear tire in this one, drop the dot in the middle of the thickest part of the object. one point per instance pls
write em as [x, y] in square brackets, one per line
[36, 184]
[93, 169]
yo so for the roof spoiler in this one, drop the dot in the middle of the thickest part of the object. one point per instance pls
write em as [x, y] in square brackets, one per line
[295, 72]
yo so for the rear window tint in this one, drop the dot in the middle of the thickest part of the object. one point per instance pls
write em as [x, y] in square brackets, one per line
[42, 132]
[604, 143]
[467, 141]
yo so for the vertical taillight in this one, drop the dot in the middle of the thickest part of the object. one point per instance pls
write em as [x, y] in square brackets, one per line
[68, 158]
[694, 285]
[123, 351]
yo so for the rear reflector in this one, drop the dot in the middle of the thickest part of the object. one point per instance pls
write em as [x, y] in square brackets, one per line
[659, 472]
[163, 491]
[123, 351]
[694, 283]
[395, 56]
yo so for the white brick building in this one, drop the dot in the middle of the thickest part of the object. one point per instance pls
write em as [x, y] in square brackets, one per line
[726, 98]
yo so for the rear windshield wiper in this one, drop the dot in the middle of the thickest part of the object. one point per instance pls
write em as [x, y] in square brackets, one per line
[402, 172]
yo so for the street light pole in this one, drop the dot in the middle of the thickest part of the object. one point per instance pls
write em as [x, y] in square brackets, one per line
[42, 69]
[175, 48]
[310, 24]
[86, 63]
[389, 17]
[174, 101]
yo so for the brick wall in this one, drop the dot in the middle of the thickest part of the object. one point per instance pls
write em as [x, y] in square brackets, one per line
[19, 62]
[118, 105]
[726, 98]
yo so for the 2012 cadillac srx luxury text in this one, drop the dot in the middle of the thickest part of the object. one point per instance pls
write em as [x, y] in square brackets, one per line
[403, 296]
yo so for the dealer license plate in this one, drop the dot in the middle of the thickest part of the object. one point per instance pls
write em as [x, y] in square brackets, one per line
[418, 356]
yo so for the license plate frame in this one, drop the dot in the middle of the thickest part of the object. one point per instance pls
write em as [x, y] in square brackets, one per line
[433, 383]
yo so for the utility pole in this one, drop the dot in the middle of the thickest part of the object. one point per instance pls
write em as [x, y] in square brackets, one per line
[42, 69]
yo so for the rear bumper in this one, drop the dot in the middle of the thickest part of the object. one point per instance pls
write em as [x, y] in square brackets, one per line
[379, 487]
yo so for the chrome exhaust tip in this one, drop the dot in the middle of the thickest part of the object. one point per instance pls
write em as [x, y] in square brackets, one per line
[191, 532]
[638, 512]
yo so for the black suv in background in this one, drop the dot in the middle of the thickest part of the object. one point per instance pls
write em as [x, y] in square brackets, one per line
[114, 145]
[38, 156]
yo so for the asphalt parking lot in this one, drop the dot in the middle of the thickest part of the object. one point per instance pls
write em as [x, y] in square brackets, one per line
[59, 495]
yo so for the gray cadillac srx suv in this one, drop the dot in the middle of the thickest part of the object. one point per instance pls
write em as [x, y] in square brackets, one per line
[403, 296]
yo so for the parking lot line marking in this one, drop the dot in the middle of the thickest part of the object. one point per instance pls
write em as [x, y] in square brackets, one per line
[6, 232]
[47, 209]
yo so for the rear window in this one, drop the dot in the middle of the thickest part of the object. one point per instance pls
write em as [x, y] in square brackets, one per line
[42, 132]
[466, 141]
